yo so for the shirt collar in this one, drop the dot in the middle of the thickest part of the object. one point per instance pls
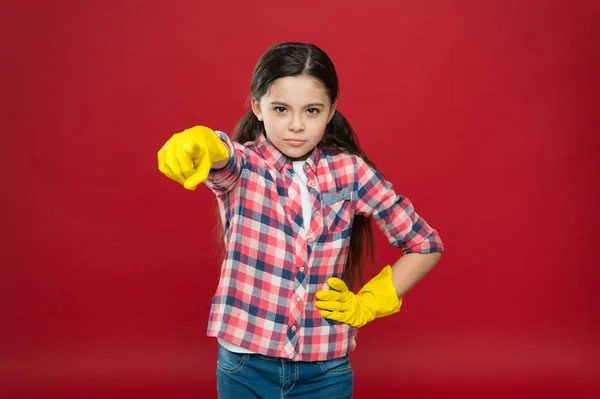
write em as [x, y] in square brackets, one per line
[277, 159]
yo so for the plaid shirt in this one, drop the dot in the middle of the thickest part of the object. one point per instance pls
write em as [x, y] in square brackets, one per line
[273, 266]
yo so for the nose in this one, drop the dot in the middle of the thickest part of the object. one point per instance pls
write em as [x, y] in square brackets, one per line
[296, 124]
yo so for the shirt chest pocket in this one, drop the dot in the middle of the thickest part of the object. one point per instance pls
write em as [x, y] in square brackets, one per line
[337, 209]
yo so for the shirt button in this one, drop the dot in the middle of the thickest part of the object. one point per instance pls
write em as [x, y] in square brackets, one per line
[302, 268]
[293, 328]
[297, 299]
[306, 166]
[310, 240]
[317, 213]
[312, 183]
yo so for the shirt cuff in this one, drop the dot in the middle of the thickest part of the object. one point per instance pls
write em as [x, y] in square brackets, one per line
[432, 243]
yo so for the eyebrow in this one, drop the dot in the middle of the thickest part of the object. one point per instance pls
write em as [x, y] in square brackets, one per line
[306, 106]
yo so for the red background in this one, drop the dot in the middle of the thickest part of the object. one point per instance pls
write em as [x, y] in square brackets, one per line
[484, 113]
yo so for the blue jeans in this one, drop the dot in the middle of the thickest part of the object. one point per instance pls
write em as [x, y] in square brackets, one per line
[242, 376]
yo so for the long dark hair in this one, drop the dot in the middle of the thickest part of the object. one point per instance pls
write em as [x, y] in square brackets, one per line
[293, 59]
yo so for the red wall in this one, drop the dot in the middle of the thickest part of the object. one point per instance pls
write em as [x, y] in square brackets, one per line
[484, 113]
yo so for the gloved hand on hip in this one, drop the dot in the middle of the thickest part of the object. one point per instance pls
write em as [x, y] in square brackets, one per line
[375, 299]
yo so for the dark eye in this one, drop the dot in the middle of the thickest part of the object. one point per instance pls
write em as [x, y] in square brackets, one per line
[279, 110]
[313, 111]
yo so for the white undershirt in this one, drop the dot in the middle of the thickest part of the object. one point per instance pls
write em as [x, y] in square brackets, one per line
[305, 196]
[306, 212]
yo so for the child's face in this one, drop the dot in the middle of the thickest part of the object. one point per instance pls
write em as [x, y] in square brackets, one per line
[295, 112]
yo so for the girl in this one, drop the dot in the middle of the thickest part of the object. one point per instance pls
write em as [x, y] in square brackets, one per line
[295, 192]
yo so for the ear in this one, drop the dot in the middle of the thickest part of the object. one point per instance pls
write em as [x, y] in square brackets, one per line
[332, 112]
[256, 109]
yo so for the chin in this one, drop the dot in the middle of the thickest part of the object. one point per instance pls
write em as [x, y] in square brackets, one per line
[296, 154]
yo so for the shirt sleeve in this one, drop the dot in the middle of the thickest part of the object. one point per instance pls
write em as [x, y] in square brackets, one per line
[393, 213]
[221, 181]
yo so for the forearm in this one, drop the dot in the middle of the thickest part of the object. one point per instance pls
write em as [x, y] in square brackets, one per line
[411, 268]
[377, 298]
[224, 174]
[220, 164]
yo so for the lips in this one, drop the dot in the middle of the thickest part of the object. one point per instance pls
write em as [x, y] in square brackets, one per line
[295, 142]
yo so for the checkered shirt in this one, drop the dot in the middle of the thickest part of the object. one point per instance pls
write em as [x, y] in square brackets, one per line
[273, 266]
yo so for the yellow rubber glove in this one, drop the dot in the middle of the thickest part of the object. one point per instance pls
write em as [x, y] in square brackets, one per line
[375, 299]
[188, 156]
